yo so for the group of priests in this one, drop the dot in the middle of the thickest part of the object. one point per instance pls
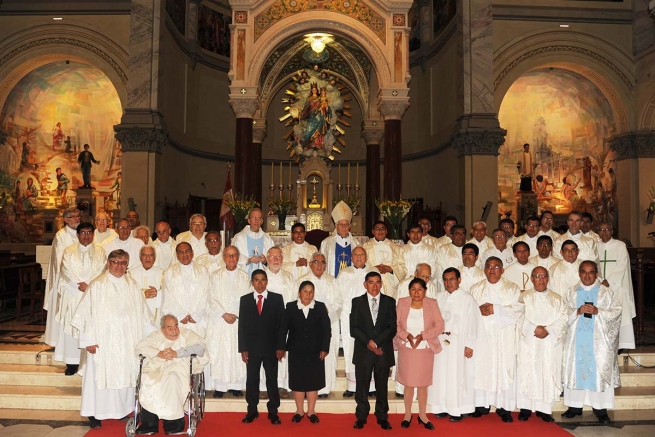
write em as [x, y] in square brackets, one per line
[526, 317]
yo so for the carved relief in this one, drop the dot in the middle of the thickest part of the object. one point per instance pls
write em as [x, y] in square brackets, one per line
[393, 109]
[244, 107]
[634, 145]
[479, 143]
[139, 139]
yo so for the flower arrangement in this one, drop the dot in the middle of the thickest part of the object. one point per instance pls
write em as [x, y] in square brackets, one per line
[352, 201]
[394, 211]
[283, 206]
[240, 207]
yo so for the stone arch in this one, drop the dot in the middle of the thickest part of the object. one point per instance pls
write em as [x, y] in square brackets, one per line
[24, 51]
[647, 115]
[599, 61]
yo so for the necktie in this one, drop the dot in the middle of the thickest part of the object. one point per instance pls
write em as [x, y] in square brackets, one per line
[374, 309]
[260, 302]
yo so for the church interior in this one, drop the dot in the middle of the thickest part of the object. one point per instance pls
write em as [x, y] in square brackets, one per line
[313, 102]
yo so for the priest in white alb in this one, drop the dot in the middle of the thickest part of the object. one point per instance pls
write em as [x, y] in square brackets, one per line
[416, 251]
[125, 241]
[227, 285]
[166, 374]
[590, 366]
[501, 250]
[426, 226]
[80, 264]
[450, 254]
[495, 371]
[615, 269]
[253, 243]
[111, 319]
[587, 247]
[149, 277]
[195, 236]
[213, 259]
[337, 248]
[103, 232]
[350, 284]
[470, 273]
[66, 236]
[519, 272]
[544, 257]
[541, 336]
[297, 253]
[452, 392]
[185, 291]
[164, 245]
[531, 234]
[325, 290]
[384, 254]
[547, 220]
[422, 271]
[449, 222]
[564, 274]
[480, 238]
[587, 227]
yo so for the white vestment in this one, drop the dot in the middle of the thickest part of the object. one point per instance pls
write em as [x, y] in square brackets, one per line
[388, 253]
[228, 371]
[444, 239]
[63, 238]
[520, 275]
[551, 233]
[594, 236]
[146, 279]
[113, 315]
[563, 275]
[586, 245]
[326, 291]
[132, 246]
[615, 267]
[495, 369]
[292, 252]
[486, 243]
[540, 360]
[546, 263]
[240, 241]
[413, 254]
[606, 326]
[101, 237]
[350, 284]
[185, 292]
[470, 277]
[165, 253]
[530, 241]
[78, 264]
[432, 241]
[212, 262]
[452, 390]
[448, 255]
[165, 383]
[197, 244]
[328, 248]
[506, 256]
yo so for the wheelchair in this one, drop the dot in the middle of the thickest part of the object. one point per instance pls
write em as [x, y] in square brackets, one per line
[194, 404]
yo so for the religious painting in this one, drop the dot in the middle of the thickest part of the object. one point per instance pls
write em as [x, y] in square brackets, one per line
[176, 10]
[414, 18]
[567, 121]
[443, 11]
[214, 31]
[45, 121]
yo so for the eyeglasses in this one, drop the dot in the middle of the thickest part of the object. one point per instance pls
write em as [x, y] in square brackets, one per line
[379, 229]
[450, 279]
[72, 217]
[494, 267]
[569, 250]
[231, 255]
[605, 230]
[118, 263]
[101, 220]
[122, 228]
[545, 245]
[540, 276]
[531, 226]
[213, 240]
[500, 237]
[319, 262]
[85, 232]
[343, 225]
[197, 224]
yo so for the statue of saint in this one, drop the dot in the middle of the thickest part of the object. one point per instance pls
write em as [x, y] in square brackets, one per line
[526, 167]
[85, 159]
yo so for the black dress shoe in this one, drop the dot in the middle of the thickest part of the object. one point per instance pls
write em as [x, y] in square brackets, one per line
[218, 394]
[546, 417]
[359, 424]
[250, 417]
[384, 424]
[571, 413]
[476, 414]
[427, 425]
[146, 431]
[442, 415]
[236, 393]
[482, 410]
[71, 369]
[524, 415]
[604, 419]
[94, 423]
[348, 394]
[400, 395]
[324, 396]
[314, 418]
[297, 418]
[406, 423]
[455, 418]
[371, 394]
[505, 415]
[275, 419]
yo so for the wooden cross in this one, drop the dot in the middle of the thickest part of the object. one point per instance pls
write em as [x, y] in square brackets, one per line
[605, 261]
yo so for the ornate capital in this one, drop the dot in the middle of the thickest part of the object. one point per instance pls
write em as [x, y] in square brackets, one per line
[372, 132]
[479, 143]
[393, 108]
[244, 106]
[258, 130]
[140, 139]
[639, 144]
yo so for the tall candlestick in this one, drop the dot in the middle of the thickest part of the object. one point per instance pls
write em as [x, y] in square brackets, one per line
[272, 172]
[280, 173]
[357, 173]
[348, 173]
[289, 172]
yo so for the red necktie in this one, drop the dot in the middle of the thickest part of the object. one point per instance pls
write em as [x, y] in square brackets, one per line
[259, 304]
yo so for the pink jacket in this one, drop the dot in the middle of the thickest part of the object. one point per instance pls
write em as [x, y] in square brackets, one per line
[432, 320]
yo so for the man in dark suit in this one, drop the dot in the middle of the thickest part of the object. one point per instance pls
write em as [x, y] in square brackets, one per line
[373, 326]
[262, 338]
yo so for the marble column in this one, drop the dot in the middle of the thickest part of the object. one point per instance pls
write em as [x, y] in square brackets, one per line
[477, 139]
[258, 135]
[244, 107]
[372, 132]
[635, 156]
[392, 105]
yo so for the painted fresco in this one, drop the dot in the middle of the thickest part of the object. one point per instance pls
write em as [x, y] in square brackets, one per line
[176, 9]
[567, 121]
[45, 121]
[214, 31]
[443, 12]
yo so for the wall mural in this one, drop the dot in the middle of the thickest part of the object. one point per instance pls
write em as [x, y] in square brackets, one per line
[214, 31]
[443, 11]
[45, 122]
[567, 121]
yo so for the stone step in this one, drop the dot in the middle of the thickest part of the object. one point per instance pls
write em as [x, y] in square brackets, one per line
[40, 398]
[44, 376]
[645, 358]
[633, 376]
[34, 354]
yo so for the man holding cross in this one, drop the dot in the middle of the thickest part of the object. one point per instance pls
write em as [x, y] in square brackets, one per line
[615, 270]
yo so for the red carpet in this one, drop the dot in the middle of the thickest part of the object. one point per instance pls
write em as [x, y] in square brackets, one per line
[341, 425]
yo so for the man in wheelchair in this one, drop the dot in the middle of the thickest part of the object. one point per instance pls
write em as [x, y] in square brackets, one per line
[165, 375]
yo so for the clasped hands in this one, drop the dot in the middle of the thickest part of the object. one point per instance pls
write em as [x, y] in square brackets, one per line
[187, 319]
[302, 262]
[487, 309]
[256, 259]
[82, 286]
[587, 309]
[540, 332]
[150, 292]
[414, 341]
[384, 268]
[167, 354]
[229, 318]
[374, 347]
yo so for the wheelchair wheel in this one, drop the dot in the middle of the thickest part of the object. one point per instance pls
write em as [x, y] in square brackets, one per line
[201, 397]
[130, 427]
[193, 424]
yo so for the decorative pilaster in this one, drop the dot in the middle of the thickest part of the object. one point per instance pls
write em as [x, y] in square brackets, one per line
[372, 133]
[392, 105]
[192, 32]
[244, 103]
[258, 136]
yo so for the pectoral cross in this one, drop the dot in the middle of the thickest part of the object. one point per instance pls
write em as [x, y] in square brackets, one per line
[344, 261]
[605, 261]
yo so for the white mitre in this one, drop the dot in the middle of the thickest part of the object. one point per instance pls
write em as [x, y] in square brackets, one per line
[342, 212]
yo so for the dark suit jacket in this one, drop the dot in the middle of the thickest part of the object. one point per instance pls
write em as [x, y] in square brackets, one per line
[261, 335]
[363, 330]
[311, 334]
